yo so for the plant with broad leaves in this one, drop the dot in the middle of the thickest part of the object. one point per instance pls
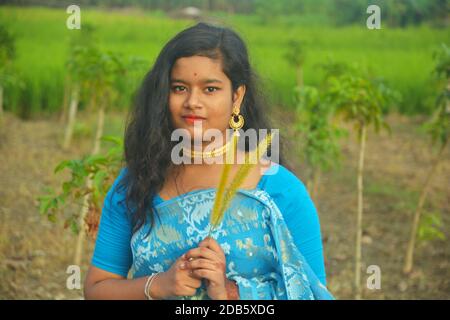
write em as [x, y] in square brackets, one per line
[318, 135]
[101, 169]
[98, 77]
[360, 100]
[438, 128]
[296, 56]
[439, 125]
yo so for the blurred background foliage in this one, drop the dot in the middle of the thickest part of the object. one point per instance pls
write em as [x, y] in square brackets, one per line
[401, 52]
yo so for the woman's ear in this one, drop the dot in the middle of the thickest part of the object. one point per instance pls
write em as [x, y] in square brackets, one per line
[238, 96]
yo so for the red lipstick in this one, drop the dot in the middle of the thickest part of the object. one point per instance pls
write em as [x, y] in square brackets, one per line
[191, 118]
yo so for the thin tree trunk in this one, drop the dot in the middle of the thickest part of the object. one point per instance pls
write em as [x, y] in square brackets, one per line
[85, 208]
[359, 213]
[409, 259]
[62, 116]
[300, 76]
[74, 99]
[1, 102]
[99, 132]
[81, 234]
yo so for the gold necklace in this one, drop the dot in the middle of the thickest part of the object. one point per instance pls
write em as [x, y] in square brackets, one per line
[209, 154]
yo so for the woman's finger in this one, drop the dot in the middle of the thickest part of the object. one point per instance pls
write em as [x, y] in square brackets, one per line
[212, 276]
[193, 281]
[211, 244]
[189, 291]
[202, 252]
[206, 264]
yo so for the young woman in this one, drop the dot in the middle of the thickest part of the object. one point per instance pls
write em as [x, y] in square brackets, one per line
[153, 240]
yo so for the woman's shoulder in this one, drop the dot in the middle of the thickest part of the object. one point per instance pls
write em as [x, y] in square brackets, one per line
[279, 174]
[117, 192]
[278, 179]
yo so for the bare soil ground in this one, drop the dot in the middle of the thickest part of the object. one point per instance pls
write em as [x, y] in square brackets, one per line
[35, 253]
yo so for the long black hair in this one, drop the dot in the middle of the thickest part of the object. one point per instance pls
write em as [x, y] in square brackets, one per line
[147, 140]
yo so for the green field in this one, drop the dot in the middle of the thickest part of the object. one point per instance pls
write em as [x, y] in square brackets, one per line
[403, 57]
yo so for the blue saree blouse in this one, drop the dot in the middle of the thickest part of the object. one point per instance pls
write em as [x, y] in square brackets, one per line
[270, 236]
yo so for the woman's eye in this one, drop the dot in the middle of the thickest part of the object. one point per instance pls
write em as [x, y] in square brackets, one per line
[178, 88]
[212, 89]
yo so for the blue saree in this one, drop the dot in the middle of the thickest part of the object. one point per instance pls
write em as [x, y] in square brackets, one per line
[261, 254]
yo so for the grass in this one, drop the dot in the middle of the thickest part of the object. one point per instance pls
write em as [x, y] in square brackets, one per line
[403, 57]
[400, 199]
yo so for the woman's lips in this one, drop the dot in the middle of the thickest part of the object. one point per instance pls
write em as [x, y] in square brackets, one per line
[191, 120]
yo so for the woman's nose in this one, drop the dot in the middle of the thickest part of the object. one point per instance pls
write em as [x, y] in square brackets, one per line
[193, 100]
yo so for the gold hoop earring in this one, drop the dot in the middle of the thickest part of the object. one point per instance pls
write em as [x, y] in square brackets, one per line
[236, 124]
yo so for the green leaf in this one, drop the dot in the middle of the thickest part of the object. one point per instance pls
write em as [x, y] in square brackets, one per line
[96, 160]
[44, 204]
[429, 227]
[67, 186]
[61, 166]
[115, 140]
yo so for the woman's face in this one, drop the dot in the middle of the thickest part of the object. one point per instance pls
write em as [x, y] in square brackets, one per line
[199, 87]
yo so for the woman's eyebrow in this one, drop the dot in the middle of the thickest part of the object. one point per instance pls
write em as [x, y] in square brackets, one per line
[202, 80]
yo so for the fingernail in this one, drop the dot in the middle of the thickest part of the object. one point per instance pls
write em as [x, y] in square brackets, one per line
[183, 265]
[190, 259]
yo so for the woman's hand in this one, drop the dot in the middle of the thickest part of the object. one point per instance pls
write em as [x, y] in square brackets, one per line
[208, 262]
[177, 281]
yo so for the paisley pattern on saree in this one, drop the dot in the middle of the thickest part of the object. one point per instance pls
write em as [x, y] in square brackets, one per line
[261, 255]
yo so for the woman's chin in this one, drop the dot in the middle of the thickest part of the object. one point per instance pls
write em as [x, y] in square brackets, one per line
[195, 133]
